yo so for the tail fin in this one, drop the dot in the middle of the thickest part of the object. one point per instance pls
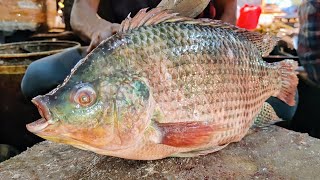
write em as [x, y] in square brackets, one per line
[289, 81]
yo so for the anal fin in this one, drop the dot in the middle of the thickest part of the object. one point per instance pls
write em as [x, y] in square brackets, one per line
[265, 117]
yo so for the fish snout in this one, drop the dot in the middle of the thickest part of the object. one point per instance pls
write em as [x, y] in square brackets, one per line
[41, 103]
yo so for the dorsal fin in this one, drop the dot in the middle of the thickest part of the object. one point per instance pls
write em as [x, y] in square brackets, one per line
[144, 18]
[264, 42]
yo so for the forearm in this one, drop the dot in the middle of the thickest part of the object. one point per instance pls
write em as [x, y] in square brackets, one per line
[226, 10]
[84, 17]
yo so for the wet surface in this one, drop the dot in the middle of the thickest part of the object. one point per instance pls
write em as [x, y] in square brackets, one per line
[272, 153]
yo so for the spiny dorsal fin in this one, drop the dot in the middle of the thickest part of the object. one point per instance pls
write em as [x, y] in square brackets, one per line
[144, 18]
[264, 42]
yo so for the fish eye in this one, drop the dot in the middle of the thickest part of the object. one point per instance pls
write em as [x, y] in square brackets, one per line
[84, 95]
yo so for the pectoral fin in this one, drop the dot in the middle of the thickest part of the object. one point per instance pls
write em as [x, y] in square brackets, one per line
[188, 134]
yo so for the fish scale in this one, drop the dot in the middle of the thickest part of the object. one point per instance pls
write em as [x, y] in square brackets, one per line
[197, 37]
[164, 86]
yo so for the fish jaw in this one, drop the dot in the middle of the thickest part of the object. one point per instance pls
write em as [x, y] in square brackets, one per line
[44, 127]
[55, 130]
[45, 121]
[37, 126]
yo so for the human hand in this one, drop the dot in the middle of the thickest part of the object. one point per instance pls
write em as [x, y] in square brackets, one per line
[188, 8]
[102, 30]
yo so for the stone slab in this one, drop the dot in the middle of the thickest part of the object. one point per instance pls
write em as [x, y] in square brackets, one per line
[272, 153]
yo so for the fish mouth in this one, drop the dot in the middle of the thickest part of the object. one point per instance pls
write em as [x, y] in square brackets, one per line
[44, 112]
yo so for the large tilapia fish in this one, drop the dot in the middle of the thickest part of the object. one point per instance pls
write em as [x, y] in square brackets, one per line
[166, 86]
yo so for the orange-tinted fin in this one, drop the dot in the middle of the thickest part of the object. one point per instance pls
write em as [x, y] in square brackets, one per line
[264, 43]
[289, 81]
[187, 134]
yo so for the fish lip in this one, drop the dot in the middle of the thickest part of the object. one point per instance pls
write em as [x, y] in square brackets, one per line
[37, 126]
[42, 108]
[44, 112]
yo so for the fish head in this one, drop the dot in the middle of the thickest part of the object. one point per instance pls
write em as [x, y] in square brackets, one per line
[73, 114]
[94, 110]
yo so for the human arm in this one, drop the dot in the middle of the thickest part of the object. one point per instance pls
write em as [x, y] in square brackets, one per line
[88, 25]
[226, 10]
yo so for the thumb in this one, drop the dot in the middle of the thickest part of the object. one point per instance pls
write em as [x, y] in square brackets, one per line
[115, 27]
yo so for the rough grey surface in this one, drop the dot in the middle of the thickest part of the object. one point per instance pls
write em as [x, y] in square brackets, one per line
[272, 153]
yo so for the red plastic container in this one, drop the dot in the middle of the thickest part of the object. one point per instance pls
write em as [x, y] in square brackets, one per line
[249, 17]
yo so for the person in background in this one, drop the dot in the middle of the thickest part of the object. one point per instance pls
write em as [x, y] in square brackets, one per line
[307, 117]
[94, 21]
[309, 39]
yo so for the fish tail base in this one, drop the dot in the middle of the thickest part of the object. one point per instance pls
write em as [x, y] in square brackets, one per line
[289, 81]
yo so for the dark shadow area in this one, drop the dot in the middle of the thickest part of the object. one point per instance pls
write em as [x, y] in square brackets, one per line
[15, 112]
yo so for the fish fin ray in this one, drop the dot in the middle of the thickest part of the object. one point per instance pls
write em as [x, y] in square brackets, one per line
[266, 117]
[188, 134]
[264, 43]
[144, 18]
[289, 81]
[125, 24]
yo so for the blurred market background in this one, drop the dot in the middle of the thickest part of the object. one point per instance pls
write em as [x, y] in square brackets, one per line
[31, 29]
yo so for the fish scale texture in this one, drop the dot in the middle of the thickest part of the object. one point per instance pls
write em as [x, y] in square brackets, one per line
[200, 73]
